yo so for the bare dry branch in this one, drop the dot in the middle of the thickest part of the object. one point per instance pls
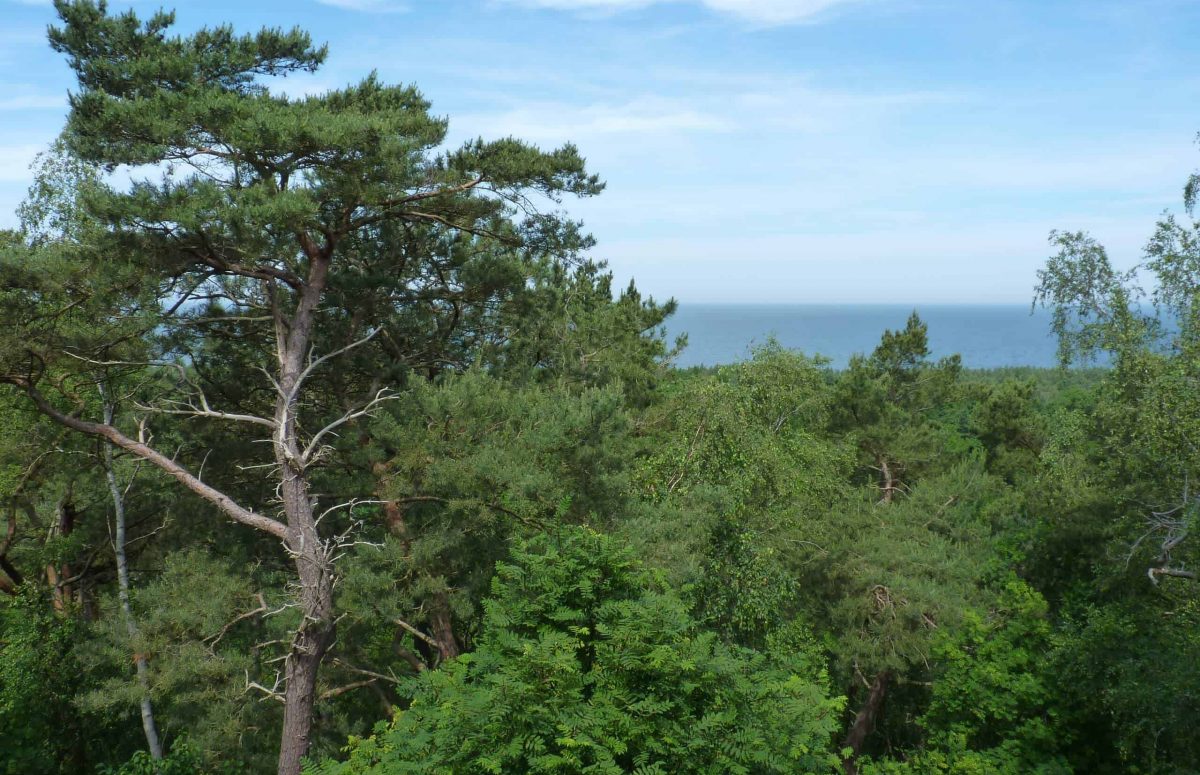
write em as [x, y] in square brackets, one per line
[415, 632]
[204, 411]
[363, 411]
[331, 693]
[219, 499]
[313, 365]
[262, 609]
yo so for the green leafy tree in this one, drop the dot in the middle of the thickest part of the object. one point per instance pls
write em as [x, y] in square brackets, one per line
[1127, 683]
[201, 652]
[992, 705]
[894, 576]
[743, 590]
[40, 676]
[571, 330]
[1117, 489]
[1147, 422]
[586, 665]
[891, 571]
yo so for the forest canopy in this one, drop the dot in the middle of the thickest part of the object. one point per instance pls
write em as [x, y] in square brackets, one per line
[328, 448]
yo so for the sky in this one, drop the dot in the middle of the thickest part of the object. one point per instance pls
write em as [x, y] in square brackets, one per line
[775, 151]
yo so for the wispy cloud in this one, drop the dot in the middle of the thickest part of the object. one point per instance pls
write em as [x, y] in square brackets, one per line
[367, 6]
[777, 11]
[33, 102]
[780, 107]
[556, 122]
[299, 85]
[766, 12]
[15, 41]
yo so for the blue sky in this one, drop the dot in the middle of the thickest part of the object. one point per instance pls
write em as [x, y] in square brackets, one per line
[769, 150]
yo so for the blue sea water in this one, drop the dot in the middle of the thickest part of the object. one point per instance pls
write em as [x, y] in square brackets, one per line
[986, 336]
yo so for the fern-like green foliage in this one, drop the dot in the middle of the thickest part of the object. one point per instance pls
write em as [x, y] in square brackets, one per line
[586, 665]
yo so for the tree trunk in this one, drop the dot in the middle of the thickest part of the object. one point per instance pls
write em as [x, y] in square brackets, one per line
[889, 485]
[313, 557]
[316, 632]
[59, 579]
[143, 671]
[864, 722]
[442, 625]
[12, 578]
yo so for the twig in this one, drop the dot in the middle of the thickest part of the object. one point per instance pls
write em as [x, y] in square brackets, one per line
[416, 633]
[262, 609]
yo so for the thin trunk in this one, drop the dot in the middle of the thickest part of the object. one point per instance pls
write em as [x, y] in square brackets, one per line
[55, 588]
[12, 577]
[890, 485]
[59, 578]
[864, 722]
[139, 659]
[11, 571]
[394, 517]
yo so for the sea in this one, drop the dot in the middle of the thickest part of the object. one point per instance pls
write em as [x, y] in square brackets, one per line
[986, 336]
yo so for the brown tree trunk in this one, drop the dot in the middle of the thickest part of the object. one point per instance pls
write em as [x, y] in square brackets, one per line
[864, 722]
[312, 556]
[442, 625]
[316, 632]
[394, 515]
[309, 645]
[12, 578]
[58, 579]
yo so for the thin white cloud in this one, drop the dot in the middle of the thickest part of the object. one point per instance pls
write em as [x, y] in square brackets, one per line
[298, 85]
[766, 12]
[17, 43]
[587, 5]
[776, 11]
[787, 109]
[367, 6]
[33, 102]
[557, 122]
